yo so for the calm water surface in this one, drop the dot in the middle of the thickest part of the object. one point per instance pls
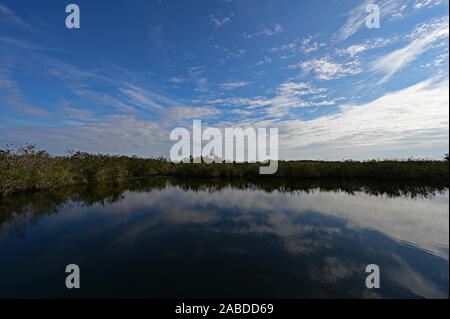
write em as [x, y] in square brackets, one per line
[164, 238]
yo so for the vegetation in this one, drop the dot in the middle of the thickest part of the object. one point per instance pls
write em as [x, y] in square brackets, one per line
[26, 169]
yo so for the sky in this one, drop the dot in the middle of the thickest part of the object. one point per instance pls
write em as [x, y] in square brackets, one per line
[137, 69]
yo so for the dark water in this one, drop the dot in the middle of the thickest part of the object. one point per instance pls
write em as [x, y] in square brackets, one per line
[170, 238]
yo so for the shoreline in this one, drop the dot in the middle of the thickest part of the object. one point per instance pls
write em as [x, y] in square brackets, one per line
[29, 170]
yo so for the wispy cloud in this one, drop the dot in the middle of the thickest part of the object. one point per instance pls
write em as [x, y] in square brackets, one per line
[138, 97]
[264, 30]
[79, 114]
[270, 31]
[325, 69]
[114, 134]
[7, 15]
[227, 54]
[264, 61]
[230, 80]
[179, 115]
[309, 45]
[354, 21]
[303, 45]
[218, 22]
[359, 130]
[196, 73]
[357, 16]
[233, 85]
[423, 38]
[355, 49]
[114, 104]
[13, 97]
[145, 98]
[288, 96]
[426, 3]
[158, 40]
[27, 45]
[177, 80]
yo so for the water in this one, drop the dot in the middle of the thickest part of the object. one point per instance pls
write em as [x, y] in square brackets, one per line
[185, 239]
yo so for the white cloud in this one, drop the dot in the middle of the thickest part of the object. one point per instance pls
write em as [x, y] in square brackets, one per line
[177, 80]
[116, 134]
[233, 85]
[353, 50]
[412, 121]
[309, 45]
[263, 30]
[79, 114]
[138, 97]
[288, 46]
[299, 88]
[420, 4]
[263, 61]
[355, 20]
[228, 53]
[356, 49]
[12, 96]
[328, 70]
[398, 14]
[27, 45]
[440, 59]
[271, 31]
[8, 15]
[415, 120]
[250, 103]
[218, 22]
[304, 45]
[426, 3]
[423, 37]
[242, 112]
[202, 85]
[102, 99]
[288, 95]
[291, 95]
[178, 115]
[201, 82]
[357, 16]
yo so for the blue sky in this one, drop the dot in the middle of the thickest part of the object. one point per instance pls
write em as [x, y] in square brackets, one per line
[136, 69]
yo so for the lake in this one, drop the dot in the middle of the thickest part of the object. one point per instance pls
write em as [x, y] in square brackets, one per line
[172, 238]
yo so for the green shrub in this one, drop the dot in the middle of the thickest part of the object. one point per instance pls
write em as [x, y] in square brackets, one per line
[26, 168]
